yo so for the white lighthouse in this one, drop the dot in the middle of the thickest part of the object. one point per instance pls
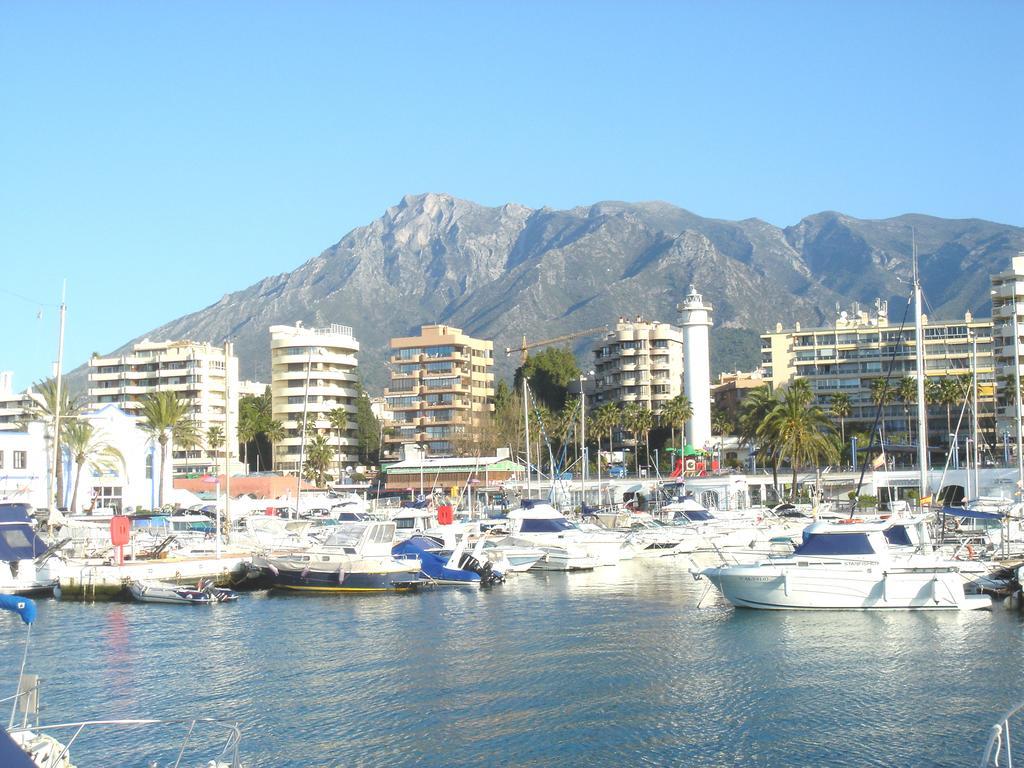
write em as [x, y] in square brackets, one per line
[696, 320]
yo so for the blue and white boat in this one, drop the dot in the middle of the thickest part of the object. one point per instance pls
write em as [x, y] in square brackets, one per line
[447, 566]
[355, 557]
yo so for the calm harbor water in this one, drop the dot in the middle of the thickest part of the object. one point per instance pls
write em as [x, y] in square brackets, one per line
[615, 667]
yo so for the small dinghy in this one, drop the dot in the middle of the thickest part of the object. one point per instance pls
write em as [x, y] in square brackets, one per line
[159, 592]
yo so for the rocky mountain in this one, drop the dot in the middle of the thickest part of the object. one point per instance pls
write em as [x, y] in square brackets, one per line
[509, 272]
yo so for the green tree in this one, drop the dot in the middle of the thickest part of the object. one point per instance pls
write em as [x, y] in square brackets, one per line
[676, 412]
[549, 374]
[605, 418]
[215, 439]
[319, 453]
[165, 418]
[881, 395]
[367, 429]
[43, 395]
[802, 432]
[721, 421]
[949, 394]
[756, 407]
[273, 432]
[638, 420]
[88, 448]
[338, 419]
[841, 408]
[906, 392]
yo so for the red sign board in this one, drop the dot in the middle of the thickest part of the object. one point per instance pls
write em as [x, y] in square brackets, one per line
[120, 530]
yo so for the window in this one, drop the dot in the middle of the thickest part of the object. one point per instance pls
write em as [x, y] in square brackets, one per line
[20, 460]
[1, 459]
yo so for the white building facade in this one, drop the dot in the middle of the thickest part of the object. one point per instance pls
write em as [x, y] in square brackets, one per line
[313, 371]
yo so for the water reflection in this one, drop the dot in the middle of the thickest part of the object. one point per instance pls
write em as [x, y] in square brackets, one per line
[607, 667]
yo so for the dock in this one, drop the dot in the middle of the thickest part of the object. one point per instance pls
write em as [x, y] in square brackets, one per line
[103, 581]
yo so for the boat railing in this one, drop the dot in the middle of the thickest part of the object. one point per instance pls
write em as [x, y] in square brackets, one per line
[998, 739]
[228, 755]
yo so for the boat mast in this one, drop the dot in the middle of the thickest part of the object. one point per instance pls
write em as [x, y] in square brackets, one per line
[922, 406]
[583, 447]
[56, 492]
[1016, 392]
[526, 427]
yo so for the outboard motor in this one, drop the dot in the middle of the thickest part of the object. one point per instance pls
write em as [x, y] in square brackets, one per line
[485, 570]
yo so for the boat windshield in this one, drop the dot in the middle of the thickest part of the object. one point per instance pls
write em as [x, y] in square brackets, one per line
[546, 525]
[898, 536]
[693, 515]
[835, 544]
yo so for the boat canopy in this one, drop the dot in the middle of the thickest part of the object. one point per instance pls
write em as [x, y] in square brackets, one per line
[693, 515]
[974, 514]
[545, 525]
[19, 542]
[15, 512]
[835, 544]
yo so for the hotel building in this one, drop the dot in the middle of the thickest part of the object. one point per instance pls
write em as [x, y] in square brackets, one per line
[313, 371]
[1007, 314]
[203, 375]
[863, 346]
[442, 385]
[638, 361]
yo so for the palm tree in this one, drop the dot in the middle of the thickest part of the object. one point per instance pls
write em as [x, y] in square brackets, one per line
[755, 409]
[165, 418]
[642, 424]
[677, 411]
[248, 428]
[881, 394]
[841, 408]
[604, 419]
[88, 447]
[43, 395]
[274, 432]
[949, 394]
[338, 418]
[215, 439]
[802, 432]
[906, 392]
[319, 454]
[630, 419]
[721, 422]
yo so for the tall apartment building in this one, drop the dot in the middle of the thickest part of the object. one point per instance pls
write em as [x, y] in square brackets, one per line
[204, 375]
[861, 346]
[313, 370]
[638, 361]
[1008, 313]
[442, 384]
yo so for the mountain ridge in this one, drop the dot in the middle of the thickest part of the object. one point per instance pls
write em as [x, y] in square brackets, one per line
[502, 272]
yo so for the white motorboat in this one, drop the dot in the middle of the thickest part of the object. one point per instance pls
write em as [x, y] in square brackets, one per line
[356, 557]
[565, 546]
[848, 565]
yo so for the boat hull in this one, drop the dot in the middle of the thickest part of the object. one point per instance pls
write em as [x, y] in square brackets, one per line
[328, 581]
[850, 588]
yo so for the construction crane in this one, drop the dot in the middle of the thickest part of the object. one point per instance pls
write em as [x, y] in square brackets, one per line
[524, 348]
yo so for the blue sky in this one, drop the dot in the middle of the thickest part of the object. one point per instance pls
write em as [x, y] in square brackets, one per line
[158, 155]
